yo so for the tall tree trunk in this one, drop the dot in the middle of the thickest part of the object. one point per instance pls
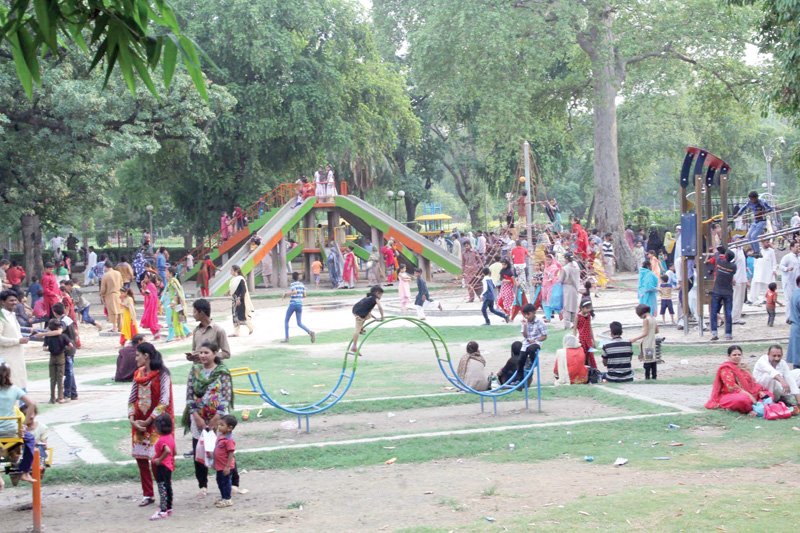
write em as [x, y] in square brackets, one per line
[411, 209]
[32, 244]
[607, 75]
[187, 240]
[475, 216]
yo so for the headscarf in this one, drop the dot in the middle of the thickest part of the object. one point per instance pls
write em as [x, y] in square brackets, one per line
[669, 242]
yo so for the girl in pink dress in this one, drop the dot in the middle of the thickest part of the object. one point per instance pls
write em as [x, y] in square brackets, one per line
[150, 315]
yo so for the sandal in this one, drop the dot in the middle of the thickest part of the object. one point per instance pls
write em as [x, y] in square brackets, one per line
[147, 500]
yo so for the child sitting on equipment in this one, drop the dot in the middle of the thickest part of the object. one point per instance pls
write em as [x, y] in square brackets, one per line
[39, 432]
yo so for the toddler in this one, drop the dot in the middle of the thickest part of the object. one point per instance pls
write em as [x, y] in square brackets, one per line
[316, 269]
[772, 300]
[224, 458]
[164, 463]
[665, 291]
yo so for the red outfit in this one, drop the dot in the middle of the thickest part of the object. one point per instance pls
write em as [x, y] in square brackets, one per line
[578, 373]
[772, 299]
[581, 240]
[584, 326]
[50, 291]
[222, 453]
[730, 388]
[518, 255]
[15, 275]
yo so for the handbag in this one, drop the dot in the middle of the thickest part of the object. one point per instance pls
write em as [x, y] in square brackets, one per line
[776, 411]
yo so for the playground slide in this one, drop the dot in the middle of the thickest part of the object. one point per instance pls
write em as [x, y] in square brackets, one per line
[367, 215]
[271, 234]
[235, 240]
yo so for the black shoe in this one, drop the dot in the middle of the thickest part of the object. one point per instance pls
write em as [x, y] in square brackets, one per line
[714, 338]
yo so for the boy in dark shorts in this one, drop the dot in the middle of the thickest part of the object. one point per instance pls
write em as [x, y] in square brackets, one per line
[362, 311]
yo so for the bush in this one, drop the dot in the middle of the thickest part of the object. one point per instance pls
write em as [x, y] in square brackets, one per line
[102, 239]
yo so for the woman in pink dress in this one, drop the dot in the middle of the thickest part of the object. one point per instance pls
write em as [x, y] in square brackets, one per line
[550, 278]
[150, 315]
[350, 271]
[224, 226]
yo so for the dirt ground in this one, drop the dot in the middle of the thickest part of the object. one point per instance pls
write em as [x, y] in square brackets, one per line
[445, 493]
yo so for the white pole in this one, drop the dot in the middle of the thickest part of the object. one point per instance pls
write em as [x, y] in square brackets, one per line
[526, 154]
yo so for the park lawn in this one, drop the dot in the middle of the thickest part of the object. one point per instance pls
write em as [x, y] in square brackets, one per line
[712, 507]
[112, 437]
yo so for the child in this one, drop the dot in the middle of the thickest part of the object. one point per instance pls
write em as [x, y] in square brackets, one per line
[224, 458]
[534, 333]
[648, 341]
[583, 330]
[164, 463]
[296, 292]
[9, 396]
[488, 298]
[316, 270]
[128, 323]
[404, 288]
[772, 300]
[57, 346]
[362, 311]
[423, 298]
[665, 291]
[39, 432]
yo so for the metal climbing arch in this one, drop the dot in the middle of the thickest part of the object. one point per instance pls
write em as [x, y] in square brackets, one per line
[258, 386]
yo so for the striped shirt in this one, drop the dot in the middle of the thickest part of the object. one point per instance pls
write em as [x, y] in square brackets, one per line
[608, 249]
[617, 355]
[298, 293]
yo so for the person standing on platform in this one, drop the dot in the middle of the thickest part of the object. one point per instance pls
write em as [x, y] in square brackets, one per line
[759, 224]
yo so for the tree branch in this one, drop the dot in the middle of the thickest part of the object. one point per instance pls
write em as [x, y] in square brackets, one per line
[714, 73]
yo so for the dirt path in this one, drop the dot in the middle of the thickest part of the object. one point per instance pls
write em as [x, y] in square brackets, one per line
[375, 498]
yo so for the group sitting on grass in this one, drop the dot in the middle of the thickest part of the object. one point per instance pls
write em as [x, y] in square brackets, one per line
[771, 381]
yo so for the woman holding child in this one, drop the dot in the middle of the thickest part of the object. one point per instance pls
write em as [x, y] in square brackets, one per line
[151, 396]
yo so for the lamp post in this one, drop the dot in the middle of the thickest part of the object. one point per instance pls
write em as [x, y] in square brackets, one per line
[149, 208]
[395, 198]
[769, 153]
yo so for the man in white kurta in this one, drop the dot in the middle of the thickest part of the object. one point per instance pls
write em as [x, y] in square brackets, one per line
[571, 286]
[764, 273]
[12, 343]
[790, 269]
[739, 284]
[91, 262]
[775, 375]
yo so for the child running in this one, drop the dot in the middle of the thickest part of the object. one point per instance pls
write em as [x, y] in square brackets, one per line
[423, 299]
[296, 292]
[488, 296]
[224, 458]
[164, 463]
[771, 298]
[665, 291]
[362, 311]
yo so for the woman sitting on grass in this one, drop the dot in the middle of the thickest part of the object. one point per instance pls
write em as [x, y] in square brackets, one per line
[472, 368]
[734, 387]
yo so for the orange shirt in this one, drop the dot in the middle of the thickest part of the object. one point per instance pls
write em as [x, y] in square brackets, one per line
[316, 267]
[772, 298]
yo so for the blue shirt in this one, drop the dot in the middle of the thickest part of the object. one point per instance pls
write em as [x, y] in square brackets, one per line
[8, 398]
[298, 293]
[161, 262]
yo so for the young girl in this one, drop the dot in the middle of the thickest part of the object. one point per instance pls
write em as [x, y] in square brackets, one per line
[128, 328]
[150, 315]
[404, 288]
[648, 341]
[362, 311]
[583, 330]
[164, 462]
